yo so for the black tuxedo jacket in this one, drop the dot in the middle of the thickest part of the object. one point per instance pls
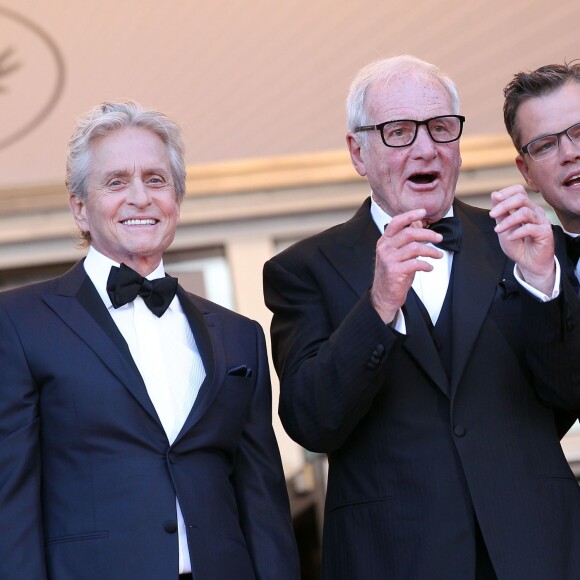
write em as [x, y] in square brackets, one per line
[417, 458]
[568, 268]
[88, 479]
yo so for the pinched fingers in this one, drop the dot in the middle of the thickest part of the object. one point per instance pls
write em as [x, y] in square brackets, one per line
[524, 221]
[406, 232]
[525, 234]
[398, 258]
[507, 201]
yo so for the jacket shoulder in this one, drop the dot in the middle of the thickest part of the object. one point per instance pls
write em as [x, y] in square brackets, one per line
[478, 215]
[28, 292]
[350, 229]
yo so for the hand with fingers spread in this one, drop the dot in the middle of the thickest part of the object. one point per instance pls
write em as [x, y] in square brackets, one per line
[399, 250]
[525, 235]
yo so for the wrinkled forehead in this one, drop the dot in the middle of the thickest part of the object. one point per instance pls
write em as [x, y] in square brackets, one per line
[407, 96]
[128, 153]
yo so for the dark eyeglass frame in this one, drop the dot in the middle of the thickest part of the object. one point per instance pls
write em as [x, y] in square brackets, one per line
[426, 122]
[525, 148]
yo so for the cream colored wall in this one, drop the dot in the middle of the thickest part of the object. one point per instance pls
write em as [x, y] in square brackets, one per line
[252, 79]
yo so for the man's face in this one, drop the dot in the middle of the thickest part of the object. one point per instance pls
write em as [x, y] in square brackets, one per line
[422, 175]
[556, 177]
[131, 209]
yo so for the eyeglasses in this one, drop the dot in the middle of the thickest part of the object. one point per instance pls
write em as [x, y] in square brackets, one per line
[547, 145]
[403, 132]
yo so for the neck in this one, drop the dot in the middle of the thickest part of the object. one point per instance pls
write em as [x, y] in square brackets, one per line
[143, 265]
[570, 221]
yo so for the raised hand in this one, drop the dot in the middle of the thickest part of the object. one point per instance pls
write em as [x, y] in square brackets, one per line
[398, 255]
[525, 235]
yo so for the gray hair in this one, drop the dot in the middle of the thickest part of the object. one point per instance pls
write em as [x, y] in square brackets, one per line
[382, 71]
[108, 117]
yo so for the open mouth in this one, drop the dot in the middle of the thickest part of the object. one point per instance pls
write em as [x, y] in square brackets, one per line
[423, 178]
[574, 180]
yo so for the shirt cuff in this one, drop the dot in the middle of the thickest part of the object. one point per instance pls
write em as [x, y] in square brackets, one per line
[540, 295]
[398, 323]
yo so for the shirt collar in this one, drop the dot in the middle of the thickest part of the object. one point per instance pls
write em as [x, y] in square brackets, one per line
[98, 266]
[382, 218]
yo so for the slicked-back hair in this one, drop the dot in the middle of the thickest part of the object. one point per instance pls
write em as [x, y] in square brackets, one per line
[537, 83]
[382, 71]
[112, 116]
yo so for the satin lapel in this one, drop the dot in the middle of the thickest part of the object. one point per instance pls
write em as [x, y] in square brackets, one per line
[78, 304]
[352, 252]
[478, 269]
[420, 346]
[207, 331]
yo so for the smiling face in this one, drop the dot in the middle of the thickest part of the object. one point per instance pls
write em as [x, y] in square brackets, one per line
[422, 175]
[130, 209]
[556, 177]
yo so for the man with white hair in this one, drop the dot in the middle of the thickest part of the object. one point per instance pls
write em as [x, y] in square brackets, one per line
[422, 345]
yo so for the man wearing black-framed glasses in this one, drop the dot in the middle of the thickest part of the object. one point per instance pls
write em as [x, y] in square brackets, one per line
[542, 116]
[403, 132]
[422, 361]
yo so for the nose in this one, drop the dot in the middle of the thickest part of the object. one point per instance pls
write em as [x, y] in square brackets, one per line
[138, 194]
[424, 146]
[569, 150]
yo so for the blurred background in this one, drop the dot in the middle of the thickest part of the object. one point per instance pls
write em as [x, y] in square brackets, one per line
[258, 87]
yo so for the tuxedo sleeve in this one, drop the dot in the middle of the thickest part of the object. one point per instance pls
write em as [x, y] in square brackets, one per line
[21, 536]
[554, 347]
[260, 486]
[330, 352]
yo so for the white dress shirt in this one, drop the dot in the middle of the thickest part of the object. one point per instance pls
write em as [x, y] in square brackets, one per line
[166, 355]
[431, 287]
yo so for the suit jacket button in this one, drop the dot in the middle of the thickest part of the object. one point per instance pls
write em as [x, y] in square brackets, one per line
[171, 457]
[170, 526]
[459, 430]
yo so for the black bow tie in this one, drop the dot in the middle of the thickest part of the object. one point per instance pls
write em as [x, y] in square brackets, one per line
[450, 229]
[124, 285]
[573, 248]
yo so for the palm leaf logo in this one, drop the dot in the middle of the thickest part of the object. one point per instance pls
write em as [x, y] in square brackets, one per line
[7, 66]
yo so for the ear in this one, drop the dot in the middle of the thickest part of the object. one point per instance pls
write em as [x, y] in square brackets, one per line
[356, 154]
[525, 171]
[79, 212]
